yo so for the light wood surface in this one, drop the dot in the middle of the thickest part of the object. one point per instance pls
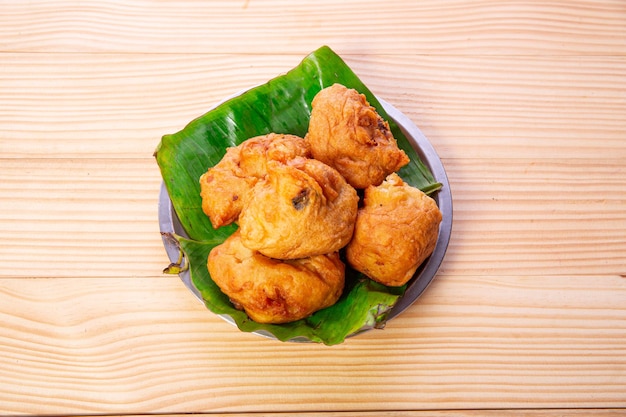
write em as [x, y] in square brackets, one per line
[525, 102]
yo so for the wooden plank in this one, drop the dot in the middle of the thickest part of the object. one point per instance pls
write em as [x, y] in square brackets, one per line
[508, 107]
[120, 105]
[537, 216]
[84, 217]
[451, 27]
[144, 345]
[103, 105]
[601, 412]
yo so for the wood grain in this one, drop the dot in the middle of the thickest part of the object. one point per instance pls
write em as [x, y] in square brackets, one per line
[524, 100]
[616, 412]
[84, 218]
[145, 344]
[519, 27]
[63, 105]
[546, 216]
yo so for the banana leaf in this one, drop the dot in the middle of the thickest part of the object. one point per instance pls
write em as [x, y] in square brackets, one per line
[362, 306]
[282, 105]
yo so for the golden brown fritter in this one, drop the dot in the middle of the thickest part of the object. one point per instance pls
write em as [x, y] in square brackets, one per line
[274, 291]
[396, 230]
[223, 187]
[303, 208]
[348, 134]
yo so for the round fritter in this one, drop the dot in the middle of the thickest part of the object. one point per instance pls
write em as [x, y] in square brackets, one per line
[223, 187]
[274, 291]
[348, 134]
[303, 208]
[395, 231]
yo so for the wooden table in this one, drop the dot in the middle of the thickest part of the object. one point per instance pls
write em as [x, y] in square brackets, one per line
[525, 102]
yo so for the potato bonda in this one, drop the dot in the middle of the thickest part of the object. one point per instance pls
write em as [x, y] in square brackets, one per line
[396, 230]
[272, 290]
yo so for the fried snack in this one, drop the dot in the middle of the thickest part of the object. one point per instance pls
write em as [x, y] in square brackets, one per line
[348, 134]
[274, 291]
[304, 208]
[224, 186]
[396, 230]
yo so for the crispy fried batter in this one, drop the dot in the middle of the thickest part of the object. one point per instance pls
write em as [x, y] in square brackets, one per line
[224, 186]
[273, 291]
[396, 230]
[304, 208]
[348, 134]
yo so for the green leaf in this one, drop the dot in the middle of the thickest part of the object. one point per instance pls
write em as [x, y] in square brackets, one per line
[363, 305]
[282, 105]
